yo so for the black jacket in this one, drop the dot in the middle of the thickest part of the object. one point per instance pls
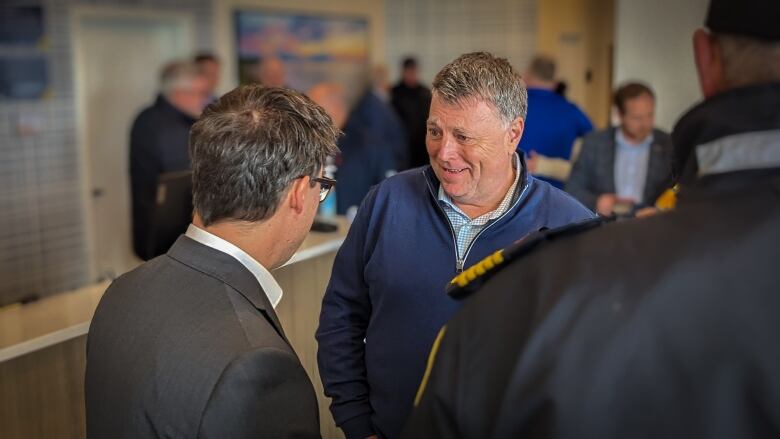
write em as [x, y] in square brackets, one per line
[187, 346]
[412, 105]
[657, 327]
[159, 143]
[593, 173]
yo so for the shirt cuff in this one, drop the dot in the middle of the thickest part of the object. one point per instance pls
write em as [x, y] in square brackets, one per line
[359, 427]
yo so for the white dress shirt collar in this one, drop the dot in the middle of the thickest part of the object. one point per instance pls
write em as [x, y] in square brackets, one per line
[267, 282]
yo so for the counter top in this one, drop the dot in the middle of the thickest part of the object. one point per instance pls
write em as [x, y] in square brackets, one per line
[61, 317]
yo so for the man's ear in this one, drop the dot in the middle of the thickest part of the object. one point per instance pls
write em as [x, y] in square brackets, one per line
[516, 128]
[299, 190]
[709, 63]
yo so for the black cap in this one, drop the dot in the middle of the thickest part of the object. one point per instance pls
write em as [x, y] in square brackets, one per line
[750, 18]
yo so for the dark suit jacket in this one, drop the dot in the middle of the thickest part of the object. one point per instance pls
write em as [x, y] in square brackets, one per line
[188, 345]
[593, 173]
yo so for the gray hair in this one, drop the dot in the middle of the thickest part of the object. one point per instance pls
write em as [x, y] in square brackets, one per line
[482, 75]
[749, 60]
[248, 147]
[542, 67]
[178, 75]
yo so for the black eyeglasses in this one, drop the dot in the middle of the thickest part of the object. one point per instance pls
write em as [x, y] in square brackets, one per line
[326, 184]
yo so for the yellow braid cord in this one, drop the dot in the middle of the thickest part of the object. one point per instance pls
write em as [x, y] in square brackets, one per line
[479, 269]
[431, 360]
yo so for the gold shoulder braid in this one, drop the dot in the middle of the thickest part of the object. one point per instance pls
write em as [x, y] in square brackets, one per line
[475, 276]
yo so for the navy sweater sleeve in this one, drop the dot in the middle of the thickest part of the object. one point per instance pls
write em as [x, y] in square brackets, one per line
[346, 309]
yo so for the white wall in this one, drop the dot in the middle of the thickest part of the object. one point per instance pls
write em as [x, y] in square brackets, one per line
[438, 31]
[653, 43]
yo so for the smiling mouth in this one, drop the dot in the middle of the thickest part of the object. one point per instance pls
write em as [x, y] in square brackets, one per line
[453, 170]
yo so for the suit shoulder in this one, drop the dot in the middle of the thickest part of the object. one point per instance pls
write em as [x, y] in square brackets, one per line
[599, 137]
[662, 137]
[472, 279]
[262, 363]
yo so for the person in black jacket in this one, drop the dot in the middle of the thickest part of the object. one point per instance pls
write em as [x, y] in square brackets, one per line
[681, 340]
[188, 345]
[411, 101]
[158, 144]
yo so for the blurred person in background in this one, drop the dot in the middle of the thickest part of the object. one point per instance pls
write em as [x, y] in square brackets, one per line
[625, 168]
[552, 126]
[271, 72]
[158, 144]
[189, 345]
[418, 229]
[412, 101]
[664, 327]
[364, 159]
[374, 112]
[210, 69]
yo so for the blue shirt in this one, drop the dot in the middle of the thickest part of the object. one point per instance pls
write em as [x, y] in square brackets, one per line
[631, 167]
[551, 126]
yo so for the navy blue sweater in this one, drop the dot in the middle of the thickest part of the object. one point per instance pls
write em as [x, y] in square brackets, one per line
[387, 288]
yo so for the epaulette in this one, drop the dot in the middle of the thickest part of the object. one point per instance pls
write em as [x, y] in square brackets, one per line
[475, 276]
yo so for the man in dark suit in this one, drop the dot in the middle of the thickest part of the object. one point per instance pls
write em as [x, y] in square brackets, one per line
[622, 169]
[188, 344]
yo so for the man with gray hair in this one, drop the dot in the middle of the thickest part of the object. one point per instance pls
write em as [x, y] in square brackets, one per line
[158, 144]
[417, 230]
[188, 344]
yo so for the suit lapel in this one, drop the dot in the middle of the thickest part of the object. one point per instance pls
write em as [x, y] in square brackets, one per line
[227, 269]
[657, 171]
[608, 166]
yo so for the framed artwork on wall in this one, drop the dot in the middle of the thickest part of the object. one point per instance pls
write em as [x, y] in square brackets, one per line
[312, 48]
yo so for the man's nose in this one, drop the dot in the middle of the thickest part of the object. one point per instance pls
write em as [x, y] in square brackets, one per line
[449, 148]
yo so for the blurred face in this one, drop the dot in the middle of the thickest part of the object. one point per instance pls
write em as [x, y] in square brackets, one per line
[210, 70]
[272, 73]
[331, 98]
[639, 118]
[192, 100]
[410, 76]
[471, 150]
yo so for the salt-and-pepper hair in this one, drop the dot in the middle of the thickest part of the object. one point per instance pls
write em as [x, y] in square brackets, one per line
[488, 78]
[248, 147]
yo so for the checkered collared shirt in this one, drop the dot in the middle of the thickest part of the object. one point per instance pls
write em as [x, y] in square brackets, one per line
[465, 228]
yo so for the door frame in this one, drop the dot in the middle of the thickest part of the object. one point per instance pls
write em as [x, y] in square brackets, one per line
[78, 13]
